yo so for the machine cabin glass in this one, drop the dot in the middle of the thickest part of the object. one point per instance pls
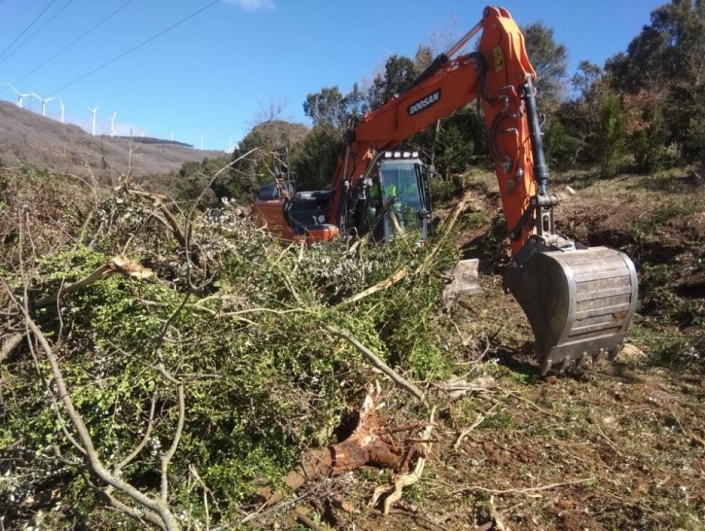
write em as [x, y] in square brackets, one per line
[402, 182]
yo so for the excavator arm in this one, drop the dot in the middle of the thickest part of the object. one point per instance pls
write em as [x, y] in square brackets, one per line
[579, 301]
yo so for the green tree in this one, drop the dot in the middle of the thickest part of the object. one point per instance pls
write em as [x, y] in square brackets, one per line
[355, 102]
[647, 132]
[550, 60]
[460, 138]
[325, 107]
[667, 58]
[245, 177]
[316, 159]
[331, 108]
[423, 58]
[194, 178]
[572, 132]
[399, 71]
[611, 135]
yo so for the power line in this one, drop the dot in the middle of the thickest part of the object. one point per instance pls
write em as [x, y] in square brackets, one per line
[38, 30]
[27, 28]
[136, 47]
[71, 44]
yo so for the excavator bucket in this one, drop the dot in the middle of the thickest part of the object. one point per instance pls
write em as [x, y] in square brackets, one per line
[579, 303]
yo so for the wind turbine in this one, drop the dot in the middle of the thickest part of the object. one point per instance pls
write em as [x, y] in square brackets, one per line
[112, 124]
[44, 102]
[94, 111]
[62, 110]
[172, 135]
[142, 133]
[20, 96]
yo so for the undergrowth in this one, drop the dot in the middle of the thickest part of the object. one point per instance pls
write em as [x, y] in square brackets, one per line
[245, 329]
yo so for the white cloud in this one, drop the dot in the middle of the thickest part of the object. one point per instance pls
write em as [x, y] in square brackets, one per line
[253, 5]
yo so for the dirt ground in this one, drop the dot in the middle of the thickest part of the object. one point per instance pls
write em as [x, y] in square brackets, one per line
[619, 447]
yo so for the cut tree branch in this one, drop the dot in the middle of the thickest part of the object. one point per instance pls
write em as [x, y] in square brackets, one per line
[116, 264]
[378, 363]
[380, 286]
[527, 490]
[163, 514]
[480, 419]
[174, 445]
[9, 345]
[158, 200]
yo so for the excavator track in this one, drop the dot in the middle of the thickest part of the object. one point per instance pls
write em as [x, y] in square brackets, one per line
[579, 303]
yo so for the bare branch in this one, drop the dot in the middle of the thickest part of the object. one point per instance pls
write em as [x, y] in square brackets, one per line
[480, 419]
[524, 491]
[377, 362]
[150, 426]
[166, 517]
[174, 444]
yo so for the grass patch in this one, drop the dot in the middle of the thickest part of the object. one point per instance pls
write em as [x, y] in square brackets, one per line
[647, 224]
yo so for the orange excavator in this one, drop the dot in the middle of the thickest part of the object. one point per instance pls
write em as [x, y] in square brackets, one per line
[579, 301]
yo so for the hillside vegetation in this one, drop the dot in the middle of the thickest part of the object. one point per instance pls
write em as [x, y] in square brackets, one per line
[223, 359]
[29, 138]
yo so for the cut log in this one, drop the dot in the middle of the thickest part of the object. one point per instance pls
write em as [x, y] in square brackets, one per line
[365, 446]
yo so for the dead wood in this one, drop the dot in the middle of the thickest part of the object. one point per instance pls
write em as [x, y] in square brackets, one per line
[445, 231]
[305, 520]
[406, 480]
[381, 286]
[116, 264]
[524, 491]
[9, 345]
[480, 419]
[159, 201]
[366, 446]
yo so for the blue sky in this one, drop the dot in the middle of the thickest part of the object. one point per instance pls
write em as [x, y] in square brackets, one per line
[215, 73]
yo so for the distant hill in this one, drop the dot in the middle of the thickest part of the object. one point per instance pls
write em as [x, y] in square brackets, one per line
[29, 138]
[152, 140]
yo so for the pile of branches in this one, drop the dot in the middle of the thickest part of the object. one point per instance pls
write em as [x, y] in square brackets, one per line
[176, 365]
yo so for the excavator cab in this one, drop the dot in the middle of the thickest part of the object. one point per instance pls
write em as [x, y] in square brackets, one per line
[399, 200]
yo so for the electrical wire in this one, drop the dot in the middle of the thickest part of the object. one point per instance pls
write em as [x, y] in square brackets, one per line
[38, 30]
[136, 47]
[27, 28]
[72, 43]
